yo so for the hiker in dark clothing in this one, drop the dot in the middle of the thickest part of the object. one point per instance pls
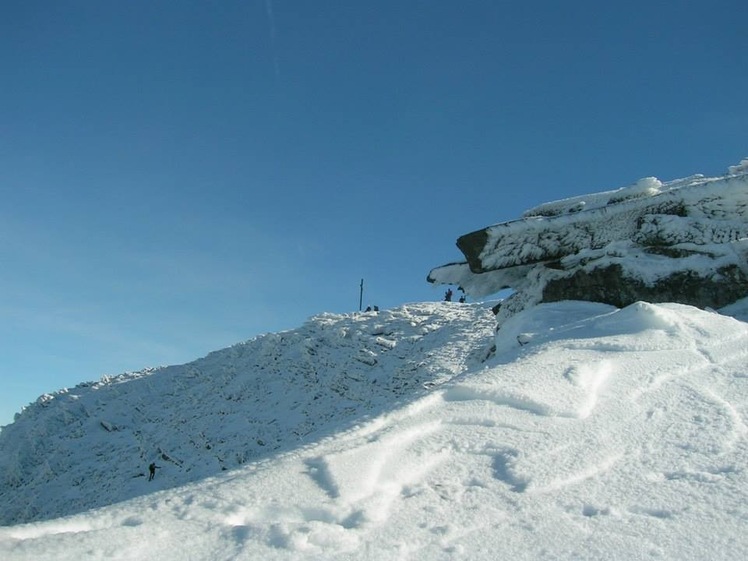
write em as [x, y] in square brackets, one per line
[448, 295]
[152, 471]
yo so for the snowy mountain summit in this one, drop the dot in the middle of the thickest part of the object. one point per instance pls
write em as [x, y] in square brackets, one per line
[610, 428]
[680, 241]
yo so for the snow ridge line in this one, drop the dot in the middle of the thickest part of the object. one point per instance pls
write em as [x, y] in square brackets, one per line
[254, 400]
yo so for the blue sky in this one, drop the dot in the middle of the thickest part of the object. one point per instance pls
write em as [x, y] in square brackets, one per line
[178, 176]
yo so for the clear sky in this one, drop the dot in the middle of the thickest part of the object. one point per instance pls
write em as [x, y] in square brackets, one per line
[178, 176]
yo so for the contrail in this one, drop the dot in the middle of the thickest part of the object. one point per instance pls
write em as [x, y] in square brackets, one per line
[271, 21]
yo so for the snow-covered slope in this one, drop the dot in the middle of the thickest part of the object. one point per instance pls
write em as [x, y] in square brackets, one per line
[590, 433]
[90, 446]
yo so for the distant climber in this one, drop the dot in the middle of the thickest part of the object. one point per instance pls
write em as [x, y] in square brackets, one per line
[152, 471]
[448, 295]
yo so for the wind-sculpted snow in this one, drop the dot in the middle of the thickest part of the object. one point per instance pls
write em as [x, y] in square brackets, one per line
[591, 433]
[89, 446]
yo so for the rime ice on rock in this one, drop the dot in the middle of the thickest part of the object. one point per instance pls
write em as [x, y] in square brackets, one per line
[681, 241]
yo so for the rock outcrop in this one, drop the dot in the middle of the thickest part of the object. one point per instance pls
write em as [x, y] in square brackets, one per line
[682, 241]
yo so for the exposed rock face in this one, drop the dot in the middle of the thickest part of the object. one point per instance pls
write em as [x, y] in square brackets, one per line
[612, 285]
[683, 241]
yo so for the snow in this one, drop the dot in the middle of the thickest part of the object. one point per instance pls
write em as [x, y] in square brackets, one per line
[253, 399]
[693, 215]
[576, 431]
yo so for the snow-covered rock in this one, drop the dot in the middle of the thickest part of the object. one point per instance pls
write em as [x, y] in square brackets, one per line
[681, 241]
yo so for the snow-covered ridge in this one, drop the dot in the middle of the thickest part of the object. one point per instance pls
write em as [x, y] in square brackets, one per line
[90, 445]
[591, 433]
